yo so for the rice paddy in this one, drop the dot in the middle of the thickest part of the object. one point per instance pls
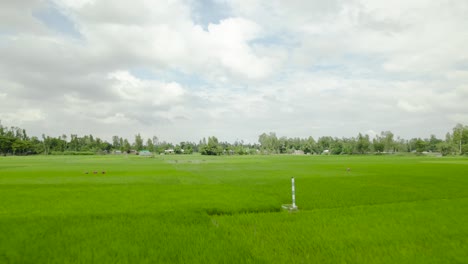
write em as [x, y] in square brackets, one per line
[198, 209]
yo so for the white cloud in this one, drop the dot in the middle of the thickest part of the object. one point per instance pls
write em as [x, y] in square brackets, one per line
[117, 119]
[149, 33]
[20, 116]
[411, 108]
[130, 88]
[459, 118]
[299, 68]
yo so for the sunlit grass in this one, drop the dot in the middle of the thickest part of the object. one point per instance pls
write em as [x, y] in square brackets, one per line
[198, 209]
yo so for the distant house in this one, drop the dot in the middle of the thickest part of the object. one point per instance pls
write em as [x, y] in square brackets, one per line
[169, 151]
[145, 153]
[117, 152]
[298, 152]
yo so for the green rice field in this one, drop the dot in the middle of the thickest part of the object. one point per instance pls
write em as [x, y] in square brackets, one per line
[199, 209]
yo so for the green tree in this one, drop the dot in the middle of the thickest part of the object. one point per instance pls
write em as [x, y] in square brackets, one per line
[433, 142]
[349, 144]
[138, 142]
[444, 148]
[6, 144]
[420, 145]
[74, 144]
[460, 138]
[269, 142]
[378, 144]
[324, 143]
[178, 150]
[47, 142]
[149, 145]
[336, 147]
[126, 146]
[212, 147]
[362, 144]
[116, 142]
[388, 141]
[187, 147]
[283, 145]
[309, 145]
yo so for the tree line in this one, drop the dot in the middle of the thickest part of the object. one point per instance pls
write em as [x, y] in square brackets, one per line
[15, 141]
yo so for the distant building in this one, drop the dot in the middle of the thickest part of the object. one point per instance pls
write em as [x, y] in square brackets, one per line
[298, 152]
[145, 153]
[169, 151]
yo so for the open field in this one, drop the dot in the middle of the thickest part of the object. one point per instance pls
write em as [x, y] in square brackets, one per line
[198, 209]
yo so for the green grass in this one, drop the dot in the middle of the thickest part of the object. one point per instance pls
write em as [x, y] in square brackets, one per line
[198, 209]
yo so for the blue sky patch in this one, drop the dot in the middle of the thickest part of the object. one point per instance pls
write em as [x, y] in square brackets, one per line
[207, 12]
[54, 19]
[144, 74]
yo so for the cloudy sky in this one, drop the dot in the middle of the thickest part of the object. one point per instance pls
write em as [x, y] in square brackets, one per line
[187, 69]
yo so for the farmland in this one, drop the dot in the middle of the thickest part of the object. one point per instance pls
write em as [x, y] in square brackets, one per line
[199, 209]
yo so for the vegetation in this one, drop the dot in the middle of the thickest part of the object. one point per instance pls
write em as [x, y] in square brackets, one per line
[15, 141]
[201, 209]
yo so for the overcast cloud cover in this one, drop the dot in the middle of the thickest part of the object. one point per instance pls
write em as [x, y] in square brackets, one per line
[187, 69]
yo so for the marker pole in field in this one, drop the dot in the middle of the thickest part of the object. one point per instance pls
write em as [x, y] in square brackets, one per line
[291, 207]
[293, 194]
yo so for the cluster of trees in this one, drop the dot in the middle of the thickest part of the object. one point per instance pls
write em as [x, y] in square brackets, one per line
[15, 141]
[214, 147]
[386, 142]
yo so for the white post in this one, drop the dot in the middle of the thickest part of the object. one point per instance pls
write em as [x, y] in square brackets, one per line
[293, 194]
